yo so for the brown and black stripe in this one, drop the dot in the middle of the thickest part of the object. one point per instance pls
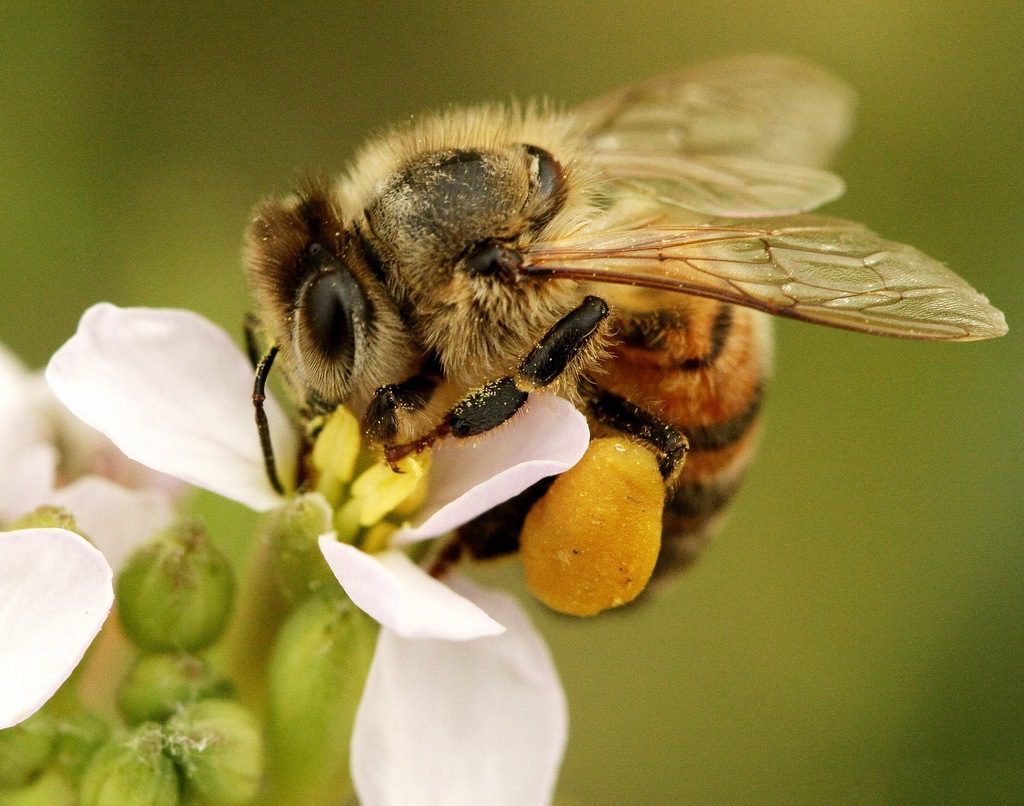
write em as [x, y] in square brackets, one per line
[700, 365]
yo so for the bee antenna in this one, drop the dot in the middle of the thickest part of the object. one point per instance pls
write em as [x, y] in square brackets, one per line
[259, 395]
[252, 347]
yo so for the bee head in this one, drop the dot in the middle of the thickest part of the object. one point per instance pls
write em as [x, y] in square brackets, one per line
[317, 299]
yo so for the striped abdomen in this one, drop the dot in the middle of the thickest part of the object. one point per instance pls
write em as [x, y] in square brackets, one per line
[700, 365]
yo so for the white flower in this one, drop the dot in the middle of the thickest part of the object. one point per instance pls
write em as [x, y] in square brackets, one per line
[48, 456]
[462, 703]
[55, 587]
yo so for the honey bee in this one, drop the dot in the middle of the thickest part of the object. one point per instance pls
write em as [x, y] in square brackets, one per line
[623, 254]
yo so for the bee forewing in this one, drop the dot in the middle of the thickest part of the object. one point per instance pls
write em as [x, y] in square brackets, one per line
[739, 187]
[775, 108]
[827, 271]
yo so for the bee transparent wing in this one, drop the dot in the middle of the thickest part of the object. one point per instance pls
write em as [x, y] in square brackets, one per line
[739, 187]
[766, 107]
[827, 271]
[738, 137]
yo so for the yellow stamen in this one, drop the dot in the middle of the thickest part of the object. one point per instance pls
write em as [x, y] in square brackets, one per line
[335, 452]
[377, 537]
[411, 505]
[381, 489]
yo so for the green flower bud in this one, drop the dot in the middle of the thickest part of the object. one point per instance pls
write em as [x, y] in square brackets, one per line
[219, 747]
[157, 684]
[317, 670]
[79, 736]
[132, 771]
[298, 566]
[45, 517]
[176, 592]
[26, 749]
[49, 789]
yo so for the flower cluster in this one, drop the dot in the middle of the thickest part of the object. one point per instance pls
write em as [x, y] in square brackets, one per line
[460, 701]
[56, 585]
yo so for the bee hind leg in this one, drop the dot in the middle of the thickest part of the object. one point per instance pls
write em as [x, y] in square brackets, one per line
[612, 410]
[494, 403]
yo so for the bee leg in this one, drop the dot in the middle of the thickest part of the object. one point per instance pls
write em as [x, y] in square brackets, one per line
[259, 395]
[481, 410]
[495, 402]
[566, 339]
[382, 420]
[669, 443]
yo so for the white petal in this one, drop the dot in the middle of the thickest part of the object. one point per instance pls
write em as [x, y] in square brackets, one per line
[172, 391]
[470, 476]
[28, 479]
[461, 723]
[402, 596]
[85, 451]
[55, 593]
[116, 519]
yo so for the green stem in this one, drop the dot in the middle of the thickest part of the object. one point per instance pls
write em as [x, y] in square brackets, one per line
[260, 610]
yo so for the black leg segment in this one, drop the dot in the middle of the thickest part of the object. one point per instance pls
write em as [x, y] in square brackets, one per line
[486, 407]
[563, 342]
[494, 403]
[616, 412]
[381, 421]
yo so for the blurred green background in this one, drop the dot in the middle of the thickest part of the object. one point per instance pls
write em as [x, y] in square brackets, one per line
[855, 633]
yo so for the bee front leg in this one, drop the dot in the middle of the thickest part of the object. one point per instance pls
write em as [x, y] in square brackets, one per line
[382, 422]
[494, 403]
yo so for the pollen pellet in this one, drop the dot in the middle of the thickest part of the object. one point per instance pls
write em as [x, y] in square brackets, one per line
[592, 541]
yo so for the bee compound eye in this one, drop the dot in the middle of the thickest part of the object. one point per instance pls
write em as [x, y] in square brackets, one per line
[334, 305]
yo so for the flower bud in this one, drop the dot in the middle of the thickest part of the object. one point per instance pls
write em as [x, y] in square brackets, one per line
[176, 592]
[317, 670]
[298, 566]
[584, 559]
[132, 770]
[26, 749]
[79, 736]
[219, 748]
[157, 684]
[46, 517]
